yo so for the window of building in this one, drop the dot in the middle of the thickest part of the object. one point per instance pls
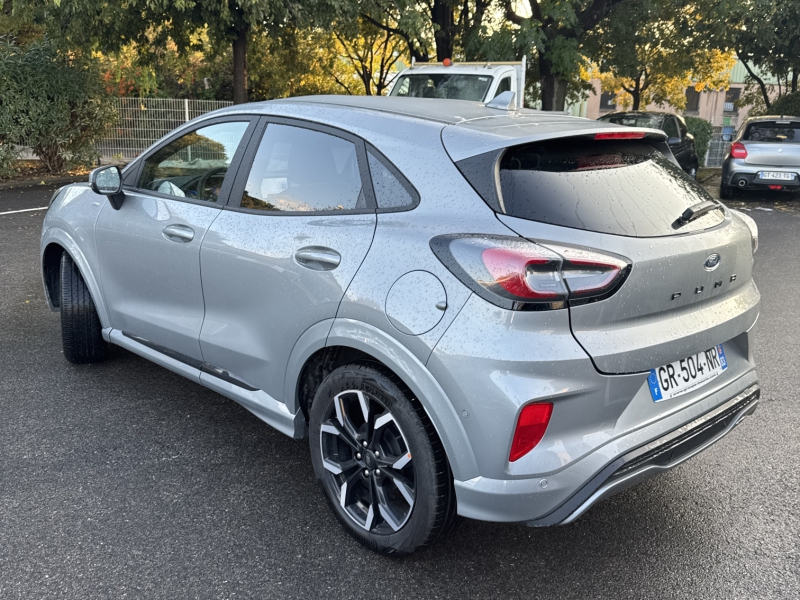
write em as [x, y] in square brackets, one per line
[608, 101]
[731, 96]
[692, 100]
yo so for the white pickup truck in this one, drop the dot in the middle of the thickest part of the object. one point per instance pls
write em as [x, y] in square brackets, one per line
[476, 81]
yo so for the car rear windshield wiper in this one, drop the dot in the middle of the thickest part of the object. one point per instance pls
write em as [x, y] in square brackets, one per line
[696, 211]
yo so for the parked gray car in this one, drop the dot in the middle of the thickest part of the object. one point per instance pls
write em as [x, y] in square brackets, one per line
[495, 313]
[765, 155]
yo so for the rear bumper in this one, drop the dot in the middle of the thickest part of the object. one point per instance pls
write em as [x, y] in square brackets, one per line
[660, 455]
[561, 497]
[740, 175]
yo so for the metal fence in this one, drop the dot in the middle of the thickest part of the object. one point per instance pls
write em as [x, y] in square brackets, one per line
[142, 121]
[717, 147]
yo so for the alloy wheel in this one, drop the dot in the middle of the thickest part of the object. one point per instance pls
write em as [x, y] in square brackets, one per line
[368, 461]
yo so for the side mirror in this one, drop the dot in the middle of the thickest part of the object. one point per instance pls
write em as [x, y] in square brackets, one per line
[727, 137]
[673, 141]
[107, 181]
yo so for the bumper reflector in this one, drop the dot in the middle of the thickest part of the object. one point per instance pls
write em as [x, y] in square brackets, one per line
[531, 425]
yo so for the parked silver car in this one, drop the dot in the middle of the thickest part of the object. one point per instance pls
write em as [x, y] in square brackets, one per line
[495, 313]
[765, 155]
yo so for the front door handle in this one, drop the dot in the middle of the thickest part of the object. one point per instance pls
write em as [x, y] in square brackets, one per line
[318, 258]
[178, 233]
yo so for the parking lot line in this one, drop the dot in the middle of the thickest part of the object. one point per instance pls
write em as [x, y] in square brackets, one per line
[11, 212]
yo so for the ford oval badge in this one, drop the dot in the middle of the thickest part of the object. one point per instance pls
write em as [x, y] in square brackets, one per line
[712, 262]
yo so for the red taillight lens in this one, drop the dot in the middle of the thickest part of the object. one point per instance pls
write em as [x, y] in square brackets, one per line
[738, 150]
[516, 274]
[524, 275]
[531, 425]
[621, 135]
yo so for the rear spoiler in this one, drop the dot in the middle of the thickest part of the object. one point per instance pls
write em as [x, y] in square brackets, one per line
[464, 140]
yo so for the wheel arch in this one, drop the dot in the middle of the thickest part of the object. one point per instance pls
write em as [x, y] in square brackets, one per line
[54, 243]
[348, 341]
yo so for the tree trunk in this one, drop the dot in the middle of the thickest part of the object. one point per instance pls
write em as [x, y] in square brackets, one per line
[554, 90]
[636, 94]
[442, 16]
[795, 74]
[240, 66]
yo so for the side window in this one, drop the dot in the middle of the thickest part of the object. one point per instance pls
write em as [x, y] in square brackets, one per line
[390, 191]
[682, 127]
[194, 165]
[302, 170]
[671, 127]
[505, 86]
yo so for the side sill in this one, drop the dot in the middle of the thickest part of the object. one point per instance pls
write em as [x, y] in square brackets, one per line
[258, 402]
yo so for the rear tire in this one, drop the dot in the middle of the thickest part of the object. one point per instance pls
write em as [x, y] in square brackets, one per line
[725, 192]
[81, 332]
[374, 446]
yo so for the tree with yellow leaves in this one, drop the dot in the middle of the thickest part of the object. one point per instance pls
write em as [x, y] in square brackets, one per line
[651, 51]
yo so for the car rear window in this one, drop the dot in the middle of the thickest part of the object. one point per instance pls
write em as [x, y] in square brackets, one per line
[773, 131]
[621, 188]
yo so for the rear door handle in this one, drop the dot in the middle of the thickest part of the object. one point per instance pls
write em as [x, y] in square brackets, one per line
[318, 258]
[178, 233]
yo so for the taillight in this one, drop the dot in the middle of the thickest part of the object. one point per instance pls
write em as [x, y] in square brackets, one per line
[590, 275]
[531, 425]
[517, 274]
[738, 150]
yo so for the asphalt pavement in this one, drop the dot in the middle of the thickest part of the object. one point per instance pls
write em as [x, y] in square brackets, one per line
[124, 480]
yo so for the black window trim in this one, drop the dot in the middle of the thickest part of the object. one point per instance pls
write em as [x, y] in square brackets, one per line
[407, 185]
[230, 176]
[237, 189]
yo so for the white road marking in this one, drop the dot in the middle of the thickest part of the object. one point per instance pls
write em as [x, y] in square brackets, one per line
[11, 212]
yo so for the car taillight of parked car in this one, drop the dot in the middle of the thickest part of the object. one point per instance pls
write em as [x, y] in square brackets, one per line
[517, 274]
[738, 150]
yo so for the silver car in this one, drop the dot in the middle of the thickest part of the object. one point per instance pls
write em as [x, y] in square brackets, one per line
[765, 155]
[501, 314]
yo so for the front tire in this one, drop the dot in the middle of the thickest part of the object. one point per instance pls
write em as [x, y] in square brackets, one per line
[379, 461]
[81, 332]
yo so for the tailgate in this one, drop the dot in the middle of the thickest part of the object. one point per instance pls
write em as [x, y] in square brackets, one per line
[772, 154]
[689, 286]
[670, 306]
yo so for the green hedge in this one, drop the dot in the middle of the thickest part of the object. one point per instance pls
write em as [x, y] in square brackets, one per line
[701, 130]
[788, 105]
[51, 102]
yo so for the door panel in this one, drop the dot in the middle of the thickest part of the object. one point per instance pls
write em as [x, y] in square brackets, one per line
[262, 291]
[149, 249]
[281, 261]
[151, 282]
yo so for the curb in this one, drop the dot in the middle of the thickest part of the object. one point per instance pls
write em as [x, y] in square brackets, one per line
[43, 182]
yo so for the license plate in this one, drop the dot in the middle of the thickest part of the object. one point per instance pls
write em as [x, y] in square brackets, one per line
[685, 375]
[776, 175]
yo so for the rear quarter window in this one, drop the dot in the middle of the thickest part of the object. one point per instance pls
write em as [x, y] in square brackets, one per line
[620, 188]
